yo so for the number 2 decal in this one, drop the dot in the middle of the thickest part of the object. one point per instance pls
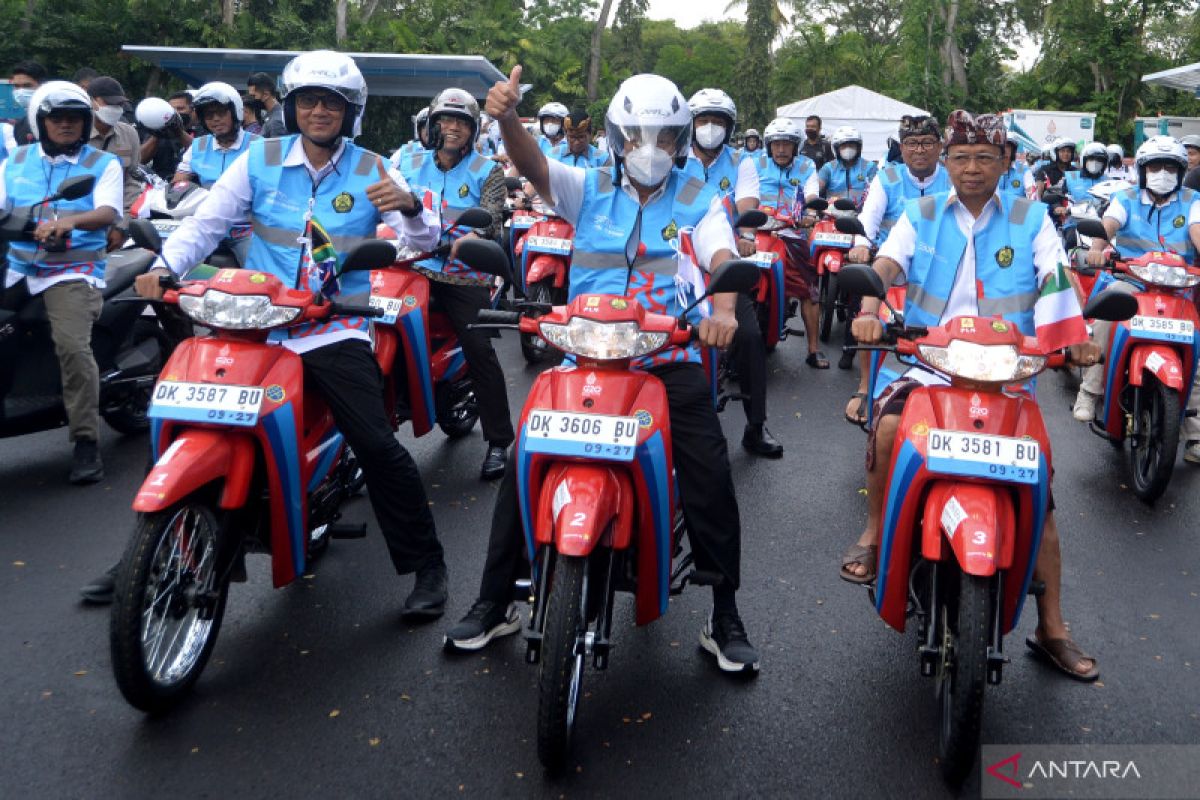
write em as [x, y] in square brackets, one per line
[577, 519]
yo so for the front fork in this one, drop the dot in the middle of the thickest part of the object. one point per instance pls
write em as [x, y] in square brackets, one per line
[598, 642]
[932, 650]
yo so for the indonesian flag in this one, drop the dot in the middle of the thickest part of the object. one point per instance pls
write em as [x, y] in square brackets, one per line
[1057, 319]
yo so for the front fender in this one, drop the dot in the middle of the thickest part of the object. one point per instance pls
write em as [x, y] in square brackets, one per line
[1161, 361]
[542, 266]
[197, 458]
[978, 523]
[581, 501]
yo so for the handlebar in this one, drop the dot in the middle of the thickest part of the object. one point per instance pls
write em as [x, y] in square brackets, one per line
[489, 316]
[350, 310]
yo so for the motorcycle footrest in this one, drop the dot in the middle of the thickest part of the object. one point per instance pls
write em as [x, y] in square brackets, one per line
[704, 578]
[793, 332]
[533, 646]
[1037, 588]
[929, 660]
[347, 530]
[995, 666]
[600, 650]
[1192, 412]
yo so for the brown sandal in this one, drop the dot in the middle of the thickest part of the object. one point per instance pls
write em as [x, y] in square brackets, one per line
[857, 554]
[859, 417]
[1063, 654]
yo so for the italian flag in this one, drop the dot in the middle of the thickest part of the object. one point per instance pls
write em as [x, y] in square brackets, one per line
[1057, 319]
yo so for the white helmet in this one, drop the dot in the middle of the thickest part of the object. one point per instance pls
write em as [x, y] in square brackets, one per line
[1191, 140]
[715, 101]
[154, 113]
[420, 120]
[1062, 142]
[1158, 149]
[781, 129]
[1116, 150]
[845, 135]
[218, 93]
[325, 69]
[58, 96]
[1094, 152]
[643, 109]
[752, 132]
[453, 102]
[557, 110]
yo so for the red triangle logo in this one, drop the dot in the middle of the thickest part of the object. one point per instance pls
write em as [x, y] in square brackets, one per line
[1013, 764]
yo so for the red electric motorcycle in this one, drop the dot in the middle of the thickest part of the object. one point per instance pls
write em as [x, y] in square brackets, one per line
[544, 255]
[596, 485]
[246, 459]
[966, 501]
[829, 246]
[1151, 365]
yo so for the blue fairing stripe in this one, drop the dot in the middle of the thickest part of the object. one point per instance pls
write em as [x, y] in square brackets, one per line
[280, 427]
[525, 502]
[457, 364]
[652, 458]
[1116, 357]
[908, 463]
[327, 456]
[780, 293]
[414, 330]
[156, 426]
[1041, 502]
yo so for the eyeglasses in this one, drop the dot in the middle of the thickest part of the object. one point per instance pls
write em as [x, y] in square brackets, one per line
[332, 102]
[919, 144]
[982, 159]
[210, 112]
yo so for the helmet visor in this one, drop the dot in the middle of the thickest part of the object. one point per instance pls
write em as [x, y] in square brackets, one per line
[675, 140]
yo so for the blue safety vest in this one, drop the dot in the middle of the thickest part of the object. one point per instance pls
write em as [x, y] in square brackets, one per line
[1004, 265]
[209, 162]
[30, 177]
[280, 201]
[1148, 227]
[1012, 182]
[405, 152]
[721, 174]
[1078, 185]
[847, 181]
[900, 187]
[455, 190]
[781, 188]
[593, 157]
[608, 218]
[545, 145]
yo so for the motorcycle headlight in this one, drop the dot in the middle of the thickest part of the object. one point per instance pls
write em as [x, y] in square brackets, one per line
[236, 312]
[602, 340]
[983, 363]
[1164, 275]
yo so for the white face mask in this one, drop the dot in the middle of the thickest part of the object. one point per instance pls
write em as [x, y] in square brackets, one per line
[23, 96]
[1094, 166]
[648, 165]
[848, 153]
[109, 115]
[1162, 182]
[551, 128]
[710, 136]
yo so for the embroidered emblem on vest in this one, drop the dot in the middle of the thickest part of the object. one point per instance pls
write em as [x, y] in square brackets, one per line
[1004, 256]
[670, 232]
[1016, 183]
[343, 203]
[794, 181]
[724, 183]
[1178, 221]
[463, 190]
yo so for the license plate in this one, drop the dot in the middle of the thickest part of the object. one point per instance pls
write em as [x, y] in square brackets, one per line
[206, 402]
[764, 260]
[1166, 328]
[982, 455]
[564, 433]
[832, 239]
[549, 244]
[391, 307]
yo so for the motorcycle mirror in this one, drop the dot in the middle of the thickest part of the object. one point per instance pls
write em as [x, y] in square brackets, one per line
[474, 218]
[844, 204]
[513, 184]
[849, 225]
[1092, 227]
[75, 188]
[1111, 305]
[862, 280]
[144, 234]
[737, 275]
[818, 204]
[484, 255]
[1053, 197]
[751, 219]
[373, 254]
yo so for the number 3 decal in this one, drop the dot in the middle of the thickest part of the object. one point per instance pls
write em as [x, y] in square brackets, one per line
[979, 537]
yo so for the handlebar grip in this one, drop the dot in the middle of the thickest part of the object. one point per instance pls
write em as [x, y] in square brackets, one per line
[345, 310]
[169, 281]
[488, 316]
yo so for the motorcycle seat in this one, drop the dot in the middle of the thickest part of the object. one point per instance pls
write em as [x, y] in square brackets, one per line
[123, 267]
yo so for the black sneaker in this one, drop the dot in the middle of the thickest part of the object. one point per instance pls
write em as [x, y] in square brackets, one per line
[485, 621]
[101, 589]
[494, 461]
[428, 597]
[846, 361]
[86, 466]
[725, 637]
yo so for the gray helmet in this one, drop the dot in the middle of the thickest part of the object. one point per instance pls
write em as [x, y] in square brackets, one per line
[452, 102]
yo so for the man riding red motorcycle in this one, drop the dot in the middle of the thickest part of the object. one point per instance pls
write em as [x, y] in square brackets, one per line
[1017, 270]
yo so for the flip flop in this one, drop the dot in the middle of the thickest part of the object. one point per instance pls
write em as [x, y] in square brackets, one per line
[1061, 654]
[860, 416]
[857, 554]
[817, 360]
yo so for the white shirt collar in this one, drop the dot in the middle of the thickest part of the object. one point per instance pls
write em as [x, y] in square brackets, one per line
[993, 202]
[296, 157]
[921, 183]
[60, 159]
[237, 143]
[633, 192]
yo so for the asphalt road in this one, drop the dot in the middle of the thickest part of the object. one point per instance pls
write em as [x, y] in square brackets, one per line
[320, 689]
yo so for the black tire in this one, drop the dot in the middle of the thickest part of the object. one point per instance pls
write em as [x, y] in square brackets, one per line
[128, 417]
[458, 412]
[961, 681]
[142, 571]
[560, 675]
[534, 348]
[828, 301]
[1152, 455]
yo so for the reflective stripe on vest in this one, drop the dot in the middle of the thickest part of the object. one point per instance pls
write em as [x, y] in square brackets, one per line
[456, 189]
[899, 186]
[1148, 228]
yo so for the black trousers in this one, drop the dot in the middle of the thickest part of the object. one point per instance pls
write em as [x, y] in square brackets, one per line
[461, 304]
[710, 507]
[348, 377]
[749, 354]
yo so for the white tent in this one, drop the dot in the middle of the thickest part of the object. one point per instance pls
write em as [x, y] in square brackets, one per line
[876, 115]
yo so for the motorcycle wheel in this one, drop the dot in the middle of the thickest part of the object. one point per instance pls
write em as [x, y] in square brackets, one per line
[128, 417]
[963, 630]
[828, 299]
[168, 605]
[560, 676]
[534, 348]
[1152, 453]
[461, 412]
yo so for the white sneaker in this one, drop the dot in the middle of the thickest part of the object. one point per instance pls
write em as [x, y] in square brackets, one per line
[1191, 452]
[1085, 406]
